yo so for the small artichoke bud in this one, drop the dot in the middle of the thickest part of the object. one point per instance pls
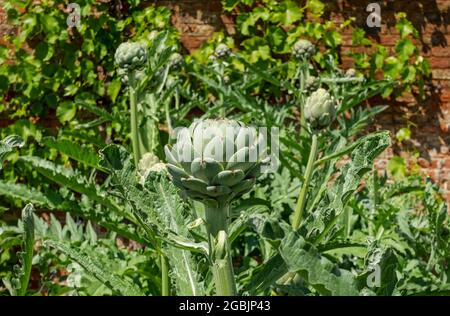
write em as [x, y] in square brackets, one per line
[320, 109]
[131, 56]
[123, 75]
[176, 61]
[303, 49]
[350, 73]
[222, 51]
[148, 165]
[139, 75]
[312, 84]
[212, 58]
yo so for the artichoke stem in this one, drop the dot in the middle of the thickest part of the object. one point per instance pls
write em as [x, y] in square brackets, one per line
[302, 196]
[304, 74]
[217, 220]
[164, 276]
[134, 123]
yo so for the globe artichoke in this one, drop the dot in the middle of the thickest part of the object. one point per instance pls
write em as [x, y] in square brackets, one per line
[303, 49]
[222, 51]
[320, 109]
[216, 161]
[175, 60]
[150, 164]
[312, 84]
[350, 73]
[130, 55]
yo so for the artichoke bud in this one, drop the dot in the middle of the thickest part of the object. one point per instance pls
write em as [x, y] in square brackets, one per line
[303, 49]
[139, 75]
[222, 51]
[320, 109]
[350, 73]
[176, 61]
[312, 84]
[216, 161]
[149, 165]
[130, 56]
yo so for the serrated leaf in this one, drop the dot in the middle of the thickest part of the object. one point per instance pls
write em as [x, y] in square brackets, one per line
[7, 145]
[267, 275]
[71, 179]
[303, 258]
[26, 255]
[54, 201]
[169, 207]
[73, 150]
[333, 204]
[94, 268]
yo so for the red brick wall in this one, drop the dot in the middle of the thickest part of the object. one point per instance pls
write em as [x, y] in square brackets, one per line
[429, 120]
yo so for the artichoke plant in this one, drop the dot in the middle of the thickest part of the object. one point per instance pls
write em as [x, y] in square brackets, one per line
[320, 109]
[131, 55]
[215, 162]
[303, 49]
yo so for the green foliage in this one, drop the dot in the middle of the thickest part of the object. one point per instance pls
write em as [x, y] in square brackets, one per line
[127, 230]
[18, 285]
[7, 145]
[268, 30]
[117, 284]
[51, 63]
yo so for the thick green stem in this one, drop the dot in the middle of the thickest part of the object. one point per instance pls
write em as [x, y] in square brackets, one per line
[217, 220]
[303, 77]
[134, 124]
[302, 196]
[164, 276]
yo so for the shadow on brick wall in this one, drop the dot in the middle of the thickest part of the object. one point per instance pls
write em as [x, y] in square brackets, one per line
[197, 20]
[424, 14]
[423, 116]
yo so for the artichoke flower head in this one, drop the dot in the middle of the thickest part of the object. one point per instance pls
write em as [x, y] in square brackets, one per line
[216, 161]
[312, 84]
[176, 60]
[130, 55]
[222, 51]
[303, 49]
[320, 109]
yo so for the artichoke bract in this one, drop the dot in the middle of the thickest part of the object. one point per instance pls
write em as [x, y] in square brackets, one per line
[130, 55]
[216, 161]
[320, 109]
[303, 49]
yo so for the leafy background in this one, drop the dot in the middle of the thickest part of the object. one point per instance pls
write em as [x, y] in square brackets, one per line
[60, 82]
